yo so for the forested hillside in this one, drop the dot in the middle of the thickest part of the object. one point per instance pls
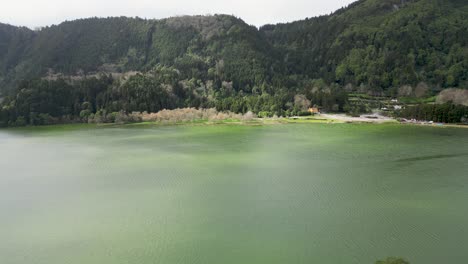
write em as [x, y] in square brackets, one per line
[380, 45]
[408, 48]
[14, 42]
[193, 45]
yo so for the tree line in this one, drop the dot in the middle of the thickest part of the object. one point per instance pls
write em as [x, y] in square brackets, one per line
[445, 113]
[41, 102]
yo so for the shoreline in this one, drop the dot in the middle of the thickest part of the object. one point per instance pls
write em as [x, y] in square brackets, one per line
[370, 118]
[317, 119]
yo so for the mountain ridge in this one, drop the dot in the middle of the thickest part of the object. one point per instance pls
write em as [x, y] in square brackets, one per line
[398, 48]
[314, 39]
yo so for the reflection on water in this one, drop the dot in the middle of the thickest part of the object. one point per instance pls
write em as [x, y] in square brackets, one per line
[431, 157]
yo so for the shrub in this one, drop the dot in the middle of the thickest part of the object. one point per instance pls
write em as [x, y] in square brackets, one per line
[20, 121]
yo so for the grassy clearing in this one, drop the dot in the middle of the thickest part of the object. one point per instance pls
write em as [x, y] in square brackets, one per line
[205, 122]
[411, 100]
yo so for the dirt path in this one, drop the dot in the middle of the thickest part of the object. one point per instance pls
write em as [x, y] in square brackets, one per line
[363, 118]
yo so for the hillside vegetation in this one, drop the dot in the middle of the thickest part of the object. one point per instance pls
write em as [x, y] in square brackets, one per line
[407, 48]
[380, 45]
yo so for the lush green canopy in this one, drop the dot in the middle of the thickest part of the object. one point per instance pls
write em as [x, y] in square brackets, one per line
[379, 47]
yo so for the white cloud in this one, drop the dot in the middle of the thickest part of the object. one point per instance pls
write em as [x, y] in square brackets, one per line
[33, 13]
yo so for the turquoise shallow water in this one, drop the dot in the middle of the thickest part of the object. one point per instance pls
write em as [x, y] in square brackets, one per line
[322, 193]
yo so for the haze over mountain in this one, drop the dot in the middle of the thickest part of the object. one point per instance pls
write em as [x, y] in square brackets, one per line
[374, 46]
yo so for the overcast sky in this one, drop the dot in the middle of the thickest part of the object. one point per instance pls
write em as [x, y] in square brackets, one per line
[34, 13]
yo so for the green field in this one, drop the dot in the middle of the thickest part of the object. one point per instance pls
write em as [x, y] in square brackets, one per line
[228, 193]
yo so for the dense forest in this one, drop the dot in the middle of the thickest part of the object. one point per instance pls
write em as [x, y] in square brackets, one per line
[397, 48]
[445, 113]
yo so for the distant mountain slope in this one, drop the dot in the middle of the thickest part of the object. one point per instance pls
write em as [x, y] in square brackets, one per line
[71, 71]
[377, 44]
[13, 43]
[380, 44]
[127, 44]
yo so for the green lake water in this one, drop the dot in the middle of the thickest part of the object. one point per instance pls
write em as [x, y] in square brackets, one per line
[297, 193]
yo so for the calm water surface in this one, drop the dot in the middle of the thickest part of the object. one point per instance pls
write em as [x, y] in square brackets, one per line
[234, 194]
